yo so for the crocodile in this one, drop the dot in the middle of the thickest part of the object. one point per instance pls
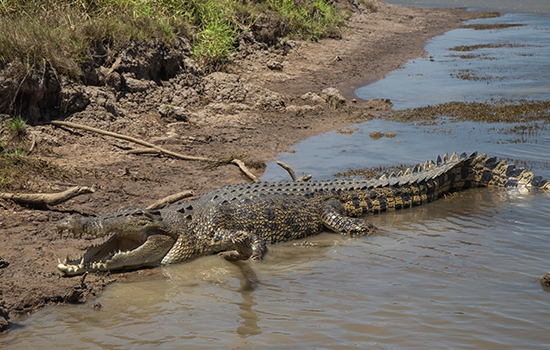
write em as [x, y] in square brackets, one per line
[239, 221]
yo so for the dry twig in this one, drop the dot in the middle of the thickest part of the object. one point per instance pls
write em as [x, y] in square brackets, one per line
[245, 170]
[129, 138]
[47, 198]
[170, 199]
[143, 151]
[151, 147]
[289, 169]
[292, 173]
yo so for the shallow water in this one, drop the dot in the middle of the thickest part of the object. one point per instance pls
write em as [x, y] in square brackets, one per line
[532, 6]
[458, 273]
[334, 152]
[509, 63]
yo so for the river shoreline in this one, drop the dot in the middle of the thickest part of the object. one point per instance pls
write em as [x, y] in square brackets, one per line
[267, 101]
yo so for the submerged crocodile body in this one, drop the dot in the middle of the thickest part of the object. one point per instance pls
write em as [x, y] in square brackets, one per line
[238, 221]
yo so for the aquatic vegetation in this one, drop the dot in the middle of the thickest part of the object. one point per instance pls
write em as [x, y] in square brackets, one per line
[492, 26]
[507, 111]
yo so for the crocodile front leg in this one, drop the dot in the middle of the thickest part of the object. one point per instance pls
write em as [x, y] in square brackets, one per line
[233, 242]
[247, 246]
[333, 217]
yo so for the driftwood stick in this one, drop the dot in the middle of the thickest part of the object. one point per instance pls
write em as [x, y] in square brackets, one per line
[32, 144]
[47, 198]
[289, 169]
[170, 199]
[143, 151]
[128, 138]
[292, 173]
[245, 170]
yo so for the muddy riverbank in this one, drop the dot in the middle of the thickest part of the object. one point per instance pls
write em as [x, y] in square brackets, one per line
[268, 99]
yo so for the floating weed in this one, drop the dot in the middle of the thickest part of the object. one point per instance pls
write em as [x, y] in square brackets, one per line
[488, 26]
[506, 111]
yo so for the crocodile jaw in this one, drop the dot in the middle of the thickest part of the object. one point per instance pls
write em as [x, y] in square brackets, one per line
[121, 252]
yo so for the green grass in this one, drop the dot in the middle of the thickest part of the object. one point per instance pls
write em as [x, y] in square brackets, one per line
[17, 127]
[63, 33]
[312, 19]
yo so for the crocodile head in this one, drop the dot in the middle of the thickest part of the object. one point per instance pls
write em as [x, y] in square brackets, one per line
[138, 238]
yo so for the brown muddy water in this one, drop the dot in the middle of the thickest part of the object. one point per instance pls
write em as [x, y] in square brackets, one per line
[458, 273]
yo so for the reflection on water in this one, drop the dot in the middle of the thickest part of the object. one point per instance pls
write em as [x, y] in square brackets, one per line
[249, 281]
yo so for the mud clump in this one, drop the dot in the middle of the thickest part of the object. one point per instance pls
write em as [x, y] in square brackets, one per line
[41, 94]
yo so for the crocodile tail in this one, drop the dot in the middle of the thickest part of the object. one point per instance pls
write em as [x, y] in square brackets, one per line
[483, 171]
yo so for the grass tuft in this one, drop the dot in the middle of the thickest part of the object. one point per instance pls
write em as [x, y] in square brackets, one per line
[17, 127]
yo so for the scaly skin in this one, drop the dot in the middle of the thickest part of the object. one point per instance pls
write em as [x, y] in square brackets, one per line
[238, 220]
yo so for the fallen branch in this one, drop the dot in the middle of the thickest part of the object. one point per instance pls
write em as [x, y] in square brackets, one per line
[152, 148]
[291, 172]
[47, 198]
[129, 138]
[32, 144]
[143, 151]
[288, 169]
[245, 170]
[170, 199]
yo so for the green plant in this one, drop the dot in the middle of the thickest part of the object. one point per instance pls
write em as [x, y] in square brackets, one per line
[17, 127]
[313, 19]
[216, 39]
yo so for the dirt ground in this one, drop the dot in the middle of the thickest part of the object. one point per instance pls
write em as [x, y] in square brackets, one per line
[268, 99]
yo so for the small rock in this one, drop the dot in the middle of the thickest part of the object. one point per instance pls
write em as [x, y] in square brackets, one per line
[136, 85]
[274, 65]
[114, 80]
[3, 263]
[173, 113]
[376, 135]
[545, 280]
[333, 97]
[312, 97]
